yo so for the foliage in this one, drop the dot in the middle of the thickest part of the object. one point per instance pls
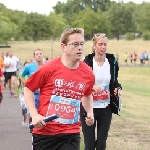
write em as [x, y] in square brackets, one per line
[7, 29]
[110, 17]
[121, 19]
[98, 22]
[129, 36]
[146, 35]
[57, 24]
[142, 17]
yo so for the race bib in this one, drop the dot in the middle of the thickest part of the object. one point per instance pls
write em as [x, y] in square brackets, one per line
[102, 98]
[67, 108]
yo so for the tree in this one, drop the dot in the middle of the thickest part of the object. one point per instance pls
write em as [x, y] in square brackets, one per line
[34, 25]
[121, 19]
[7, 29]
[142, 17]
[57, 24]
[92, 22]
[95, 4]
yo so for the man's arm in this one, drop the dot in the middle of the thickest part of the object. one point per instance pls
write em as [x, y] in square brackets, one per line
[29, 98]
[22, 79]
[37, 119]
[17, 62]
[7, 65]
[24, 73]
[87, 103]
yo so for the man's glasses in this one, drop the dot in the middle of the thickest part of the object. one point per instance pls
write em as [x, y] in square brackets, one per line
[75, 45]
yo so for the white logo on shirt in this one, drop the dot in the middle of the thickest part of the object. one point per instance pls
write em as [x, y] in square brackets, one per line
[59, 83]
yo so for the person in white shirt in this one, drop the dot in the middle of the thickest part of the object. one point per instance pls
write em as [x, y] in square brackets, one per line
[10, 64]
[105, 97]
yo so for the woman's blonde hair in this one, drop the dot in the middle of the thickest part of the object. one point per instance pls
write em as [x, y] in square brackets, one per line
[96, 37]
[64, 36]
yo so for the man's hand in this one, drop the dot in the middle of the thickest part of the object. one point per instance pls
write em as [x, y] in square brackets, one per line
[89, 119]
[37, 121]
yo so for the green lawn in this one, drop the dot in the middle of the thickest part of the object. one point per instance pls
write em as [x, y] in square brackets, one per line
[131, 130]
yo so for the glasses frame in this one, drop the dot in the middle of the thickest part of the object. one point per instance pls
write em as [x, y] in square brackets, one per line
[76, 44]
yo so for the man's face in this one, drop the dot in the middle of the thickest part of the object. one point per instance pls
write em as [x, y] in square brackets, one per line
[2, 55]
[38, 55]
[10, 54]
[74, 47]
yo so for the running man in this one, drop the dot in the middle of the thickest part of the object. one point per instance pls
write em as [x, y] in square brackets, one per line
[21, 96]
[11, 63]
[64, 82]
[31, 69]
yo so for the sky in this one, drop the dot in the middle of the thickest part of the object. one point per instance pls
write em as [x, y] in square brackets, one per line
[41, 6]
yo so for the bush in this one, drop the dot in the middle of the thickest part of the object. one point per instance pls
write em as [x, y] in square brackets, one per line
[146, 35]
[129, 36]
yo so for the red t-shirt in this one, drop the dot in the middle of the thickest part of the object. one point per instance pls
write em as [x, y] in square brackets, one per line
[61, 90]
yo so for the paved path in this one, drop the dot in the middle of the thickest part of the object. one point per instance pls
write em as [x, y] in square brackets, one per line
[13, 136]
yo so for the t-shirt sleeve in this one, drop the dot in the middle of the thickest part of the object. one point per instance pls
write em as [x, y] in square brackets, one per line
[25, 71]
[17, 59]
[5, 61]
[91, 84]
[38, 79]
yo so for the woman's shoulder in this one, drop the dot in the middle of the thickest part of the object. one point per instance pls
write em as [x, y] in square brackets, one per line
[108, 55]
[88, 57]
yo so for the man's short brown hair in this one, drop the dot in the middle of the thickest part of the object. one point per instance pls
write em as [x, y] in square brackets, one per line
[36, 50]
[64, 36]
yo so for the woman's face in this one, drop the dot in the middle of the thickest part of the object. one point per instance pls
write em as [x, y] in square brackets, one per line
[101, 46]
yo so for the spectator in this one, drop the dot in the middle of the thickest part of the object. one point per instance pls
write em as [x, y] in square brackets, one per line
[131, 58]
[134, 57]
[141, 58]
[126, 58]
[146, 57]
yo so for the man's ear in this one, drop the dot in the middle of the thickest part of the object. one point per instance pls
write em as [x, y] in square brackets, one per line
[62, 46]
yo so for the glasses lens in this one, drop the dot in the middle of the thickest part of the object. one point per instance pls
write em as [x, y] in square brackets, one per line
[76, 44]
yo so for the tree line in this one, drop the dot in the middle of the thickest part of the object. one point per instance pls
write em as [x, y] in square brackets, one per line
[95, 16]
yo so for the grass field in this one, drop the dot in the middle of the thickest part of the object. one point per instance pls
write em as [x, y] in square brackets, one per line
[24, 50]
[130, 130]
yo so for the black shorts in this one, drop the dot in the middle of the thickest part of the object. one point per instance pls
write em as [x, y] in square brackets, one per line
[24, 111]
[56, 142]
[8, 75]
